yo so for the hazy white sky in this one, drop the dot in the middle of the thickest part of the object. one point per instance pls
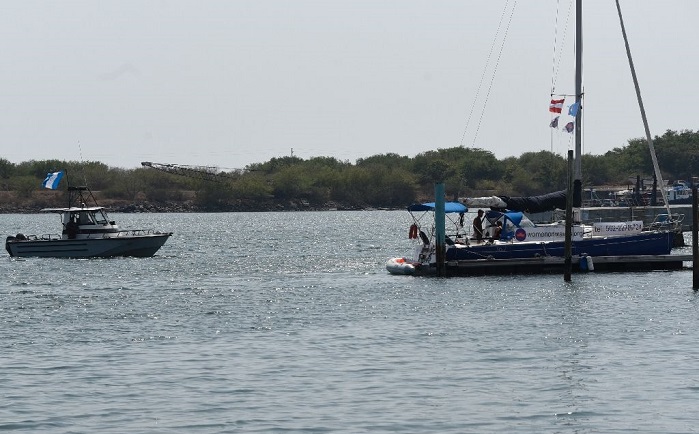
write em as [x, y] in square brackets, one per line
[228, 83]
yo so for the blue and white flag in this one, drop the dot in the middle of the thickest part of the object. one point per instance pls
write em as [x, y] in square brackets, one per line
[570, 127]
[52, 180]
[573, 109]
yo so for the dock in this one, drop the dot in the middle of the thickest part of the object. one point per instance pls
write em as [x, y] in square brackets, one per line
[555, 264]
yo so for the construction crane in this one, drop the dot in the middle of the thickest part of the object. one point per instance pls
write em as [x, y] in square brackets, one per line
[207, 173]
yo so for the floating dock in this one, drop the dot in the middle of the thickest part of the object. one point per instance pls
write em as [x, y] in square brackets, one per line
[556, 264]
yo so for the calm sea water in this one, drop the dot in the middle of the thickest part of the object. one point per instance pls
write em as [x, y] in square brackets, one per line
[288, 322]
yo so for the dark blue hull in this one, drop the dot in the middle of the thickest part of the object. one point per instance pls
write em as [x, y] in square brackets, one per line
[646, 243]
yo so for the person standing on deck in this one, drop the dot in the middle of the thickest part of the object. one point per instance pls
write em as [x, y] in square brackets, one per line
[478, 226]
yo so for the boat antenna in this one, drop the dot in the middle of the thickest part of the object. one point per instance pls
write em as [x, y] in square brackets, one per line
[82, 162]
[69, 188]
[656, 167]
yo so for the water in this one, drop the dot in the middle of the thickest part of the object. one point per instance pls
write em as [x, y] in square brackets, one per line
[288, 322]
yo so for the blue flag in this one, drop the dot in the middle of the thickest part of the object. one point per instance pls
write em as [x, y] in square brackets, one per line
[52, 180]
[573, 110]
[570, 126]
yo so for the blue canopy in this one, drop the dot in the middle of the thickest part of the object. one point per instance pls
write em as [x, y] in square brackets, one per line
[449, 207]
[513, 216]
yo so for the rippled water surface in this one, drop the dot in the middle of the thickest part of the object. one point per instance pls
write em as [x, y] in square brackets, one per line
[288, 322]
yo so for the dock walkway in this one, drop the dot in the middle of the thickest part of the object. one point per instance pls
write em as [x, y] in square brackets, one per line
[556, 264]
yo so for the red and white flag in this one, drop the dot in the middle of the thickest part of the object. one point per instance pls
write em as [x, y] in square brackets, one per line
[556, 105]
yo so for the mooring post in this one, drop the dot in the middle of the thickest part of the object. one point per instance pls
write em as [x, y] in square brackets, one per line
[439, 227]
[695, 244]
[569, 222]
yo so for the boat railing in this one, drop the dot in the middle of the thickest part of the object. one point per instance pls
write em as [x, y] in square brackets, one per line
[122, 233]
[44, 237]
[136, 232]
[673, 222]
[117, 234]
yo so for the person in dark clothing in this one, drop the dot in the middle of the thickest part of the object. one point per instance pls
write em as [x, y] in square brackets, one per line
[72, 228]
[478, 226]
[498, 231]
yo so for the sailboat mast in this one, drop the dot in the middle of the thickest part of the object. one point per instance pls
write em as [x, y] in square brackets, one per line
[577, 182]
[649, 139]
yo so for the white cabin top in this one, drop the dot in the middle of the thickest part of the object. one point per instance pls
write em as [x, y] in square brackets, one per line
[73, 209]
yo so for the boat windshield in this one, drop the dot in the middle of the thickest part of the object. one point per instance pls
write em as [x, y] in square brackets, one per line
[85, 218]
[92, 218]
[101, 218]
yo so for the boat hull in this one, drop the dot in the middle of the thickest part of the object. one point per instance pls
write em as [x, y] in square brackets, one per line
[401, 266]
[136, 246]
[647, 243]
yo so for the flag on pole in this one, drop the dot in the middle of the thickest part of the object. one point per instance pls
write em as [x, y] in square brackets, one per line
[556, 105]
[573, 110]
[570, 126]
[52, 180]
[554, 122]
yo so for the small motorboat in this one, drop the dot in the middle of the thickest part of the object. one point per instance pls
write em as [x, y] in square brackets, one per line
[86, 232]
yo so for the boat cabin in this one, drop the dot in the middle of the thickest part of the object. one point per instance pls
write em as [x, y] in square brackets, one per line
[85, 222]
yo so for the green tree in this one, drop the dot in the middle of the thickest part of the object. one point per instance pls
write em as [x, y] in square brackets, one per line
[631, 160]
[7, 170]
[678, 154]
[251, 186]
[24, 186]
[597, 170]
[386, 160]
[214, 196]
[543, 172]
[291, 182]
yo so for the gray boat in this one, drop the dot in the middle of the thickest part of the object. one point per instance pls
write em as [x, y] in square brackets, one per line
[86, 232]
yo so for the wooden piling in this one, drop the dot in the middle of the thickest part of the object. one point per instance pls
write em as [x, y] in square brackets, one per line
[568, 253]
[695, 244]
[439, 228]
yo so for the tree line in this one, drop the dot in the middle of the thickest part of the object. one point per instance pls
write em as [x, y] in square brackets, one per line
[380, 181]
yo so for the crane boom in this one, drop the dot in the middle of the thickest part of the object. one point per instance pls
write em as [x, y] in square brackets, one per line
[198, 172]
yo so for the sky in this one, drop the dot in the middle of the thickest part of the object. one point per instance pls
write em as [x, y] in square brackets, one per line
[234, 82]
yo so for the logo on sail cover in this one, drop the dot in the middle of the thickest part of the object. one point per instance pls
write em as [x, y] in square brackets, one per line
[520, 234]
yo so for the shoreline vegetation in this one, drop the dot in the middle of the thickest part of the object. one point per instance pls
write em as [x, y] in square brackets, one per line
[385, 181]
[39, 200]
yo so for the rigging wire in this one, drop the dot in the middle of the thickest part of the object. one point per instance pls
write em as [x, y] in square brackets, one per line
[556, 61]
[553, 61]
[495, 70]
[485, 69]
[555, 43]
[556, 64]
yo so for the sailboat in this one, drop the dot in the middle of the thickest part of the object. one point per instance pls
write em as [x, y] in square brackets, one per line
[533, 246]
